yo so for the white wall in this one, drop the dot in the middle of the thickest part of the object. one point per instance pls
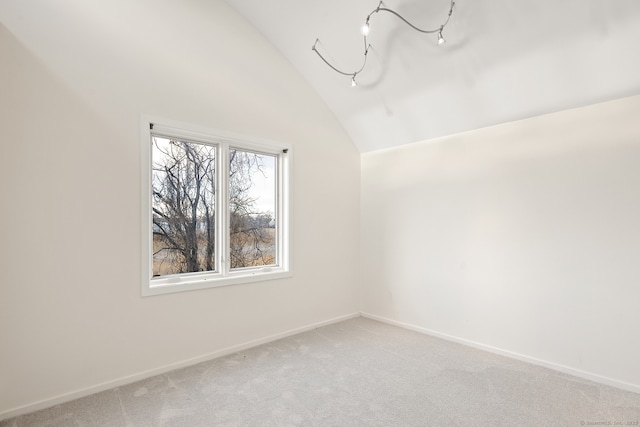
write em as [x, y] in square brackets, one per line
[523, 237]
[74, 79]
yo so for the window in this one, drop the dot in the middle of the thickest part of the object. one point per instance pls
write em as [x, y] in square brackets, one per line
[215, 208]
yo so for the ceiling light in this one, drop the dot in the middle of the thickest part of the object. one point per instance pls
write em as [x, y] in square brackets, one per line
[365, 32]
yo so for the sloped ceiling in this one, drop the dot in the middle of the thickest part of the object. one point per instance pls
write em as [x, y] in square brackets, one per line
[504, 60]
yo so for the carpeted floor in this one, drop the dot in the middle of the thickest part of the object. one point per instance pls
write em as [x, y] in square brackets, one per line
[355, 373]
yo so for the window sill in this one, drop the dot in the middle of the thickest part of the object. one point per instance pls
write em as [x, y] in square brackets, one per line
[183, 283]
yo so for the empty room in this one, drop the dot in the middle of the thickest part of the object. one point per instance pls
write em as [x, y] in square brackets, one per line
[329, 213]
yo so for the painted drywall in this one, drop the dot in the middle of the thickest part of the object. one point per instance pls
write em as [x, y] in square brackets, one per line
[75, 79]
[521, 237]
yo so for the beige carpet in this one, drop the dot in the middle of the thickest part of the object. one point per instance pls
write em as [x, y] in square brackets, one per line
[355, 373]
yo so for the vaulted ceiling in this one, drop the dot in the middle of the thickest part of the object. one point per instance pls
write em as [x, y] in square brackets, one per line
[504, 60]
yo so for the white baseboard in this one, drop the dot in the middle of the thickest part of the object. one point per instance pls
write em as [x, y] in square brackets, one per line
[554, 366]
[163, 369]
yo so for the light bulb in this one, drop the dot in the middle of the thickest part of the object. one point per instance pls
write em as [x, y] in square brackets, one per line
[353, 81]
[365, 29]
[441, 39]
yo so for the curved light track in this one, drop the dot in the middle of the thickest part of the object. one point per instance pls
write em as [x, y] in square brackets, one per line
[367, 46]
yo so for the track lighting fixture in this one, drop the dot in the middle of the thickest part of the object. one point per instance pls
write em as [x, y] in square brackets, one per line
[365, 29]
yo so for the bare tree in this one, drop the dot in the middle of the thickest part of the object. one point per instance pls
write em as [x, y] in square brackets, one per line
[184, 192]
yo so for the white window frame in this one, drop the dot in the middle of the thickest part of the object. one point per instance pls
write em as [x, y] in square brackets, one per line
[224, 275]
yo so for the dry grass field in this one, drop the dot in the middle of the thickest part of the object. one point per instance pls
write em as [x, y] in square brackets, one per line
[247, 253]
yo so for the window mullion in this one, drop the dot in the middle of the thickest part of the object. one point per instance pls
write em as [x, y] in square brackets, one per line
[222, 223]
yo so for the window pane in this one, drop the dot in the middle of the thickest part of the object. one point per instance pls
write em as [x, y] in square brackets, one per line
[183, 203]
[252, 209]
